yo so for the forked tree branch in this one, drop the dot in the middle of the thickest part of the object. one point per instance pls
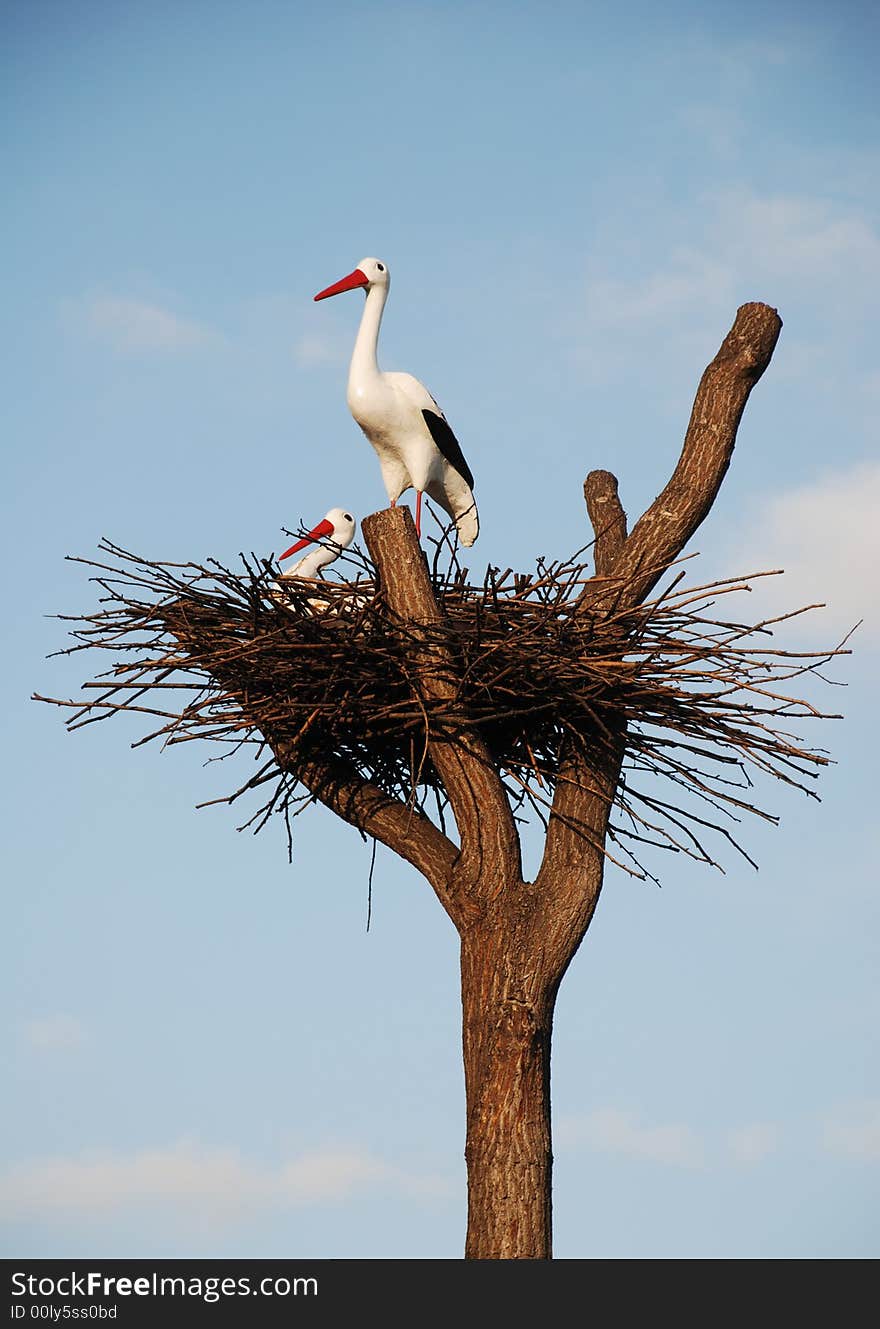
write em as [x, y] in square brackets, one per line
[571, 870]
[662, 532]
[338, 784]
[486, 827]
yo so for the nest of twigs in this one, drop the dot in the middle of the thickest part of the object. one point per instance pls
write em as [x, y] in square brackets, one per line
[323, 669]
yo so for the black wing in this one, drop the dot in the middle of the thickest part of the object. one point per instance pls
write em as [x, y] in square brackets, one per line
[448, 445]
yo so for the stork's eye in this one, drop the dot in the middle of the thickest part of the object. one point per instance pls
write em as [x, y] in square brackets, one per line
[348, 516]
[381, 267]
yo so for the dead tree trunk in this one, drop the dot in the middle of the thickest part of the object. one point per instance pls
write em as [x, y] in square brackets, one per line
[517, 937]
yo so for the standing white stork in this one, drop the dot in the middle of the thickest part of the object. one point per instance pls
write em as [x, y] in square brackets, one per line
[336, 532]
[409, 432]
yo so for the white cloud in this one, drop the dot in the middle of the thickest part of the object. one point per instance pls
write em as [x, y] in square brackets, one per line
[53, 1033]
[688, 280]
[609, 1130]
[299, 329]
[790, 236]
[135, 325]
[821, 260]
[218, 1183]
[673, 312]
[751, 1144]
[855, 1132]
[328, 1176]
[826, 536]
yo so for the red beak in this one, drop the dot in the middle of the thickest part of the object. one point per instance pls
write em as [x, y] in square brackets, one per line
[324, 527]
[349, 283]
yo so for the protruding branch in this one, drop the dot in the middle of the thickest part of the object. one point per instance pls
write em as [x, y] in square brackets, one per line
[476, 795]
[608, 519]
[662, 532]
[572, 866]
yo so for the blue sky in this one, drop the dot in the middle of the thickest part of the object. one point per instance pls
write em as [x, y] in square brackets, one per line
[207, 1053]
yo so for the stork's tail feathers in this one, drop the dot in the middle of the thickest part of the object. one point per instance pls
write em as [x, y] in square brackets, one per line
[467, 524]
[458, 504]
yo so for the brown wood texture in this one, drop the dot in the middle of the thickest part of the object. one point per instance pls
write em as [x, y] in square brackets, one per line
[518, 938]
[662, 532]
[489, 851]
[627, 568]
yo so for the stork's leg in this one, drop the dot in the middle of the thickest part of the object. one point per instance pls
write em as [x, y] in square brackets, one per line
[418, 512]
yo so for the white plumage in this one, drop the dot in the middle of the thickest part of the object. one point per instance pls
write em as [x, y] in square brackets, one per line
[413, 441]
[335, 533]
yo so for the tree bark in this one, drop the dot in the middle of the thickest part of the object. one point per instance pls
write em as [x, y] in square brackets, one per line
[518, 938]
[507, 1017]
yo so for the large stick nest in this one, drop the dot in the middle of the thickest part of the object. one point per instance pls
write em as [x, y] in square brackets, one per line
[322, 670]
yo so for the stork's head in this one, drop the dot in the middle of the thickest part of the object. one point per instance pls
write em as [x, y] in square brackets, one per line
[344, 527]
[339, 526]
[369, 272]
